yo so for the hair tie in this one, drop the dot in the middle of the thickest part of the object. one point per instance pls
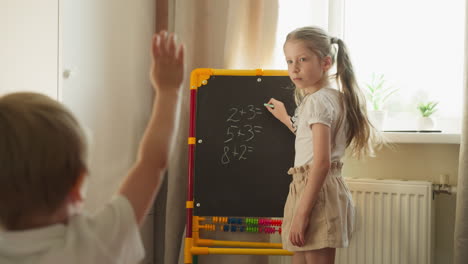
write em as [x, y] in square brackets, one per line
[333, 40]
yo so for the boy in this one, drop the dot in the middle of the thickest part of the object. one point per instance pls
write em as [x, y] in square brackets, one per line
[43, 170]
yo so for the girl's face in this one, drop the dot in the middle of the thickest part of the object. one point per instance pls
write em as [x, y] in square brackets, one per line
[305, 68]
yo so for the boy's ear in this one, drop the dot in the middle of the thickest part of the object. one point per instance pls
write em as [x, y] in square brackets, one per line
[326, 63]
[77, 193]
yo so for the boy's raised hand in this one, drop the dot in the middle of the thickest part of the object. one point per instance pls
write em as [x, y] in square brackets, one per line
[167, 73]
[167, 67]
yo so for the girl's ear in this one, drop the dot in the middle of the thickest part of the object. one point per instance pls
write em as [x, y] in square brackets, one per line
[326, 63]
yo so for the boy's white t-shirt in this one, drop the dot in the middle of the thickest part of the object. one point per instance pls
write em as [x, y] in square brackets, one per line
[322, 106]
[110, 236]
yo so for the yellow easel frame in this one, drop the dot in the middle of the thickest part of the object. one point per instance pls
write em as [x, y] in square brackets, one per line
[194, 245]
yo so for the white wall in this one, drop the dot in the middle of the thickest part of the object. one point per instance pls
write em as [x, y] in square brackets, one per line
[105, 44]
[29, 46]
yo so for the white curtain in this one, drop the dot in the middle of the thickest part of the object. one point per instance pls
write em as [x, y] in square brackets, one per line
[217, 34]
[252, 32]
[461, 217]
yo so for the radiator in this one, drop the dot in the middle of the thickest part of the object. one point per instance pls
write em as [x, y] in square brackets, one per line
[393, 224]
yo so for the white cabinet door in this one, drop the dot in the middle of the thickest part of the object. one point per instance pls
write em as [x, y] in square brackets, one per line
[29, 46]
[105, 48]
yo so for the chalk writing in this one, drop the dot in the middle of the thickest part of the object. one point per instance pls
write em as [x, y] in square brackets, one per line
[241, 130]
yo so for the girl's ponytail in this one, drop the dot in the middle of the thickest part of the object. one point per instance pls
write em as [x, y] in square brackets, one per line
[360, 132]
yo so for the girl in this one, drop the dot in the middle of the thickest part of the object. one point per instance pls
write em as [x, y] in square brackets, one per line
[319, 212]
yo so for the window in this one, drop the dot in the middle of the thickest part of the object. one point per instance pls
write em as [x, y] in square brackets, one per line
[293, 14]
[417, 45]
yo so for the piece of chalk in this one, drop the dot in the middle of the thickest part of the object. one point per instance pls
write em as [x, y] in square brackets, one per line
[270, 105]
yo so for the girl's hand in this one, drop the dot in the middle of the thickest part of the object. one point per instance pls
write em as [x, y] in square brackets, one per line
[298, 229]
[278, 111]
[167, 67]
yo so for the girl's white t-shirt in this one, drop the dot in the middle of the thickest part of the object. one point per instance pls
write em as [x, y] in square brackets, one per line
[110, 236]
[322, 106]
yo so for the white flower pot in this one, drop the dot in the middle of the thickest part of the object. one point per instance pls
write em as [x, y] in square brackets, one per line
[377, 119]
[425, 123]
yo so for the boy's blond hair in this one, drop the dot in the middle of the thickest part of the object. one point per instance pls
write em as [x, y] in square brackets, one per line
[42, 155]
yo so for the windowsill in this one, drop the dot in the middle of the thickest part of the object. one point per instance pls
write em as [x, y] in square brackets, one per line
[423, 138]
[401, 127]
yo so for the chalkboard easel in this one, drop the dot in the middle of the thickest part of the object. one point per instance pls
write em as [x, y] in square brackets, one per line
[239, 153]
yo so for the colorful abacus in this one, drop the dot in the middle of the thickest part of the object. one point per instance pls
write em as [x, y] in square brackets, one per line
[248, 224]
[269, 222]
[220, 219]
[208, 227]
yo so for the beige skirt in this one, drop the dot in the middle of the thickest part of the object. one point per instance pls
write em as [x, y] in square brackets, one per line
[332, 218]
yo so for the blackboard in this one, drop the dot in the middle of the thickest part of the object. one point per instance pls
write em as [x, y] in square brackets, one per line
[242, 152]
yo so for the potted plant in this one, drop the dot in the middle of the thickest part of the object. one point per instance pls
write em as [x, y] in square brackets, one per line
[425, 122]
[377, 93]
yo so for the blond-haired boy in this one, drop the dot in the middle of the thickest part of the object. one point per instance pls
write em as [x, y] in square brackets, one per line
[43, 169]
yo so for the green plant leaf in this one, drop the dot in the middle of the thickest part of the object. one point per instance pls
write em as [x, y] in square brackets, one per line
[376, 91]
[427, 109]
